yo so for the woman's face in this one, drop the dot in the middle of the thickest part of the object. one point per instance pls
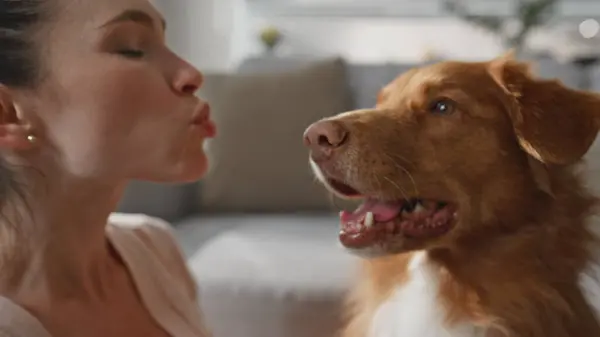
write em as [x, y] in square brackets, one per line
[114, 102]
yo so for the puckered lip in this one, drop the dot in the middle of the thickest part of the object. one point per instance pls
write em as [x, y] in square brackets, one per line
[201, 120]
[201, 115]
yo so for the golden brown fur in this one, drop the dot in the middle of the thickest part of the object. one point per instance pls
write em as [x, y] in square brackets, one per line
[507, 156]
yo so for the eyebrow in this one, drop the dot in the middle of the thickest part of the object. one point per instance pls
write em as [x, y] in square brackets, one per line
[134, 15]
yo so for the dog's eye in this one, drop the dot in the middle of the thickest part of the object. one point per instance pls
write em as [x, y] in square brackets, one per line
[442, 106]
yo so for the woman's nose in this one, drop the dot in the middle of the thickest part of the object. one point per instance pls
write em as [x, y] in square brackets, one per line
[188, 80]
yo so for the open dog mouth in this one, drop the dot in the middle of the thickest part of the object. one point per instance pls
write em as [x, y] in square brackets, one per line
[377, 222]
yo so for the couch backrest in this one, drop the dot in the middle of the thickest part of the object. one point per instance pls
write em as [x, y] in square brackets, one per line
[365, 80]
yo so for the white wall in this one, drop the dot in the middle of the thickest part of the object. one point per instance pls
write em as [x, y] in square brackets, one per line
[205, 31]
[217, 34]
[377, 40]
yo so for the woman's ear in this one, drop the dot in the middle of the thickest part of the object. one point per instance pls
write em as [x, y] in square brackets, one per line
[553, 123]
[15, 133]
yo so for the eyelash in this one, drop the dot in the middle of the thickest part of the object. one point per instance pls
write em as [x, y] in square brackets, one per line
[132, 53]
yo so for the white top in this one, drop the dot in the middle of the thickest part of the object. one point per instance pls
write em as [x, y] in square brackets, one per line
[154, 259]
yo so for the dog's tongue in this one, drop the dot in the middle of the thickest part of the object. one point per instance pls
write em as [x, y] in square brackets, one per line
[382, 211]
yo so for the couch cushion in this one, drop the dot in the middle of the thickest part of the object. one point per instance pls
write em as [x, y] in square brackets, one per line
[594, 74]
[167, 201]
[591, 167]
[364, 80]
[274, 64]
[258, 160]
[269, 276]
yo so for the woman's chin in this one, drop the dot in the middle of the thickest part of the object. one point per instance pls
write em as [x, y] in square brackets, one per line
[188, 170]
[191, 170]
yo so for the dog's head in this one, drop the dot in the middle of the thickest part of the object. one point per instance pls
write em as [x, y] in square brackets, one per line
[450, 148]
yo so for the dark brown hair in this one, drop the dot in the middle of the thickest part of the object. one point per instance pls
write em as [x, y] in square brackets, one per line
[19, 66]
[19, 61]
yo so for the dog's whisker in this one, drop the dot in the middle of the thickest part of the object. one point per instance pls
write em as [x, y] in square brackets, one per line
[404, 194]
[378, 181]
[414, 183]
[412, 179]
[398, 156]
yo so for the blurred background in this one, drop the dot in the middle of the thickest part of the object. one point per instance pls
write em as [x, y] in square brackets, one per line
[260, 234]
[219, 34]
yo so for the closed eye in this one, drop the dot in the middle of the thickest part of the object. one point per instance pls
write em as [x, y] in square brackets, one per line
[132, 53]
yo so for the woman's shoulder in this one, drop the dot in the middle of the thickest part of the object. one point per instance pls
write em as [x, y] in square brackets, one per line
[154, 233]
[156, 236]
[153, 230]
[138, 221]
[17, 322]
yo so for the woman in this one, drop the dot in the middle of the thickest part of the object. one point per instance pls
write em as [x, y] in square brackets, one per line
[90, 97]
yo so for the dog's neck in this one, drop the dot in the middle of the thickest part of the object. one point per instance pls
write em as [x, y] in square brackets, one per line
[525, 279]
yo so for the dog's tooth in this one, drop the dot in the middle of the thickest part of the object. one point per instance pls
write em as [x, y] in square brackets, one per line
[408, 207]
[369, 219]
[419, 207]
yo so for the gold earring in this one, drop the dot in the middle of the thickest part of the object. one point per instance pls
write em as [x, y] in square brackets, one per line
[31, 138]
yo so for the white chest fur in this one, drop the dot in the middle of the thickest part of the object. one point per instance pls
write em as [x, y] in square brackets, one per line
[589, 280]
[414, 309]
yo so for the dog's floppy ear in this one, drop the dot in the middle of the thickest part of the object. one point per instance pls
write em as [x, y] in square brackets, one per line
[553, 123]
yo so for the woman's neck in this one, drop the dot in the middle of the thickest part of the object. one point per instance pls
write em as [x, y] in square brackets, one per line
[52, 240]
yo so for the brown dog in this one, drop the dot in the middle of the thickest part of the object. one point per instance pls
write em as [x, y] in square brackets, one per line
[474, 220]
